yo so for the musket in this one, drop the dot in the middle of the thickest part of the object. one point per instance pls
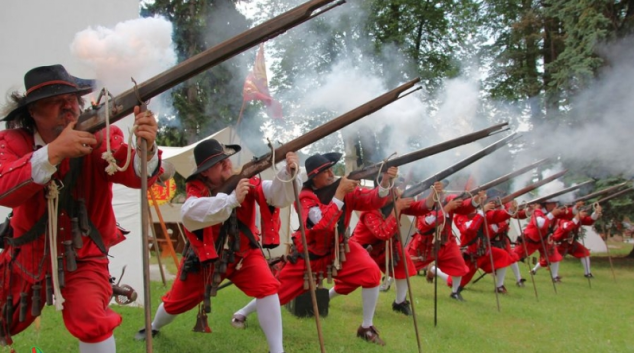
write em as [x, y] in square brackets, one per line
[262, 163]
[609, 190]
[529, 188]
[615, 195]
[559, 193]
[425, 184]
[120, 106]
[326, 194]
[506, 177]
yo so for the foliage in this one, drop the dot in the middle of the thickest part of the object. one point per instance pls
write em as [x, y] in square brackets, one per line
[615, 211]
[211, 100]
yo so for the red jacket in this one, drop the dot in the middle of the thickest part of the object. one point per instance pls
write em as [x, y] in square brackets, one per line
[374, 229]
[204, 246]
[320, 236]
[94, 185]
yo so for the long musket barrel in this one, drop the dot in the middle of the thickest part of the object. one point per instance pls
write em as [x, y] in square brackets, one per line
[509, 176]
[609, 190]
[615, 195]
[372, 171]
[326, 194]
[256, 166]
[94, 120]
[530, 188]
[425, 184]
[560, 192]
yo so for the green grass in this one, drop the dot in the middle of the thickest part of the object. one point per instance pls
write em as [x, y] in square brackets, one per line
[577, 319]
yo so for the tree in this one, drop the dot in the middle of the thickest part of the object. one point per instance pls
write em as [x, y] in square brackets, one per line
[211, 100]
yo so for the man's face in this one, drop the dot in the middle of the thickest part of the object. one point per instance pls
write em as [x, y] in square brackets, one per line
[324, 178]
[219, 172]
[53, 114]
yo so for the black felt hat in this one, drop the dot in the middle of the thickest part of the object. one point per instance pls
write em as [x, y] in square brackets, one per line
[210, 152]
[49, 81]
[317, 163]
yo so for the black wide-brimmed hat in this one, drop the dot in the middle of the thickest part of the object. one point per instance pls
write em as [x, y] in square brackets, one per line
[210, 152]
[49, 81]
[317, 163]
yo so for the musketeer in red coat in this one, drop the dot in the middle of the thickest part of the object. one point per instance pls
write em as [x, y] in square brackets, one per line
[537, 236]
[54, 179]
[477, 252]
[331, 255]
[450, 260]
[224, 243]
[376, 231]
[567, 235]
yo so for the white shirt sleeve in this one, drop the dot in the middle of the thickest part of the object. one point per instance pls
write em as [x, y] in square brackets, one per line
[151, 164]
[542, 220]
[495, 227]
[594, 216]
[41, 169]
[278, 193]
[201, 212]
[383, 192]
[314, 214]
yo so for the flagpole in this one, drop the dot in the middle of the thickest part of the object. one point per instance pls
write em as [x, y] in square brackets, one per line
[232, 136]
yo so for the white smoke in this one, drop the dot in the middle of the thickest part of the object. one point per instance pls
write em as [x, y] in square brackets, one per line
[139, 49]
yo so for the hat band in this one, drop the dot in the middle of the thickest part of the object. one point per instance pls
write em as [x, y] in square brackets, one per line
[48, 83]
[208, 158]
[316, 170]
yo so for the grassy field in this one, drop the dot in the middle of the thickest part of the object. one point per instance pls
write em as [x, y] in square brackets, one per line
[576, 319]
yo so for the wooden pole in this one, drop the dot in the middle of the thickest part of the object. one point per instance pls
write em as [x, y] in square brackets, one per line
[156, 249]
[168, 239]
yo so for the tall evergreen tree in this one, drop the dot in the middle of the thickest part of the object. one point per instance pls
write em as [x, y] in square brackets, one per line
[211, 100]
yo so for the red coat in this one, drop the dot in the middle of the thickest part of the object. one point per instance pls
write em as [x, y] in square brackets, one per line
[205, 246]
[421, 243]
[320, 236]
[374, 229]
[469, 233]
[533, 232]
[27, 199]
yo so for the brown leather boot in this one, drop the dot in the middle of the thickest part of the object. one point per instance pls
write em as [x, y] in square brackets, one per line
[370, 334]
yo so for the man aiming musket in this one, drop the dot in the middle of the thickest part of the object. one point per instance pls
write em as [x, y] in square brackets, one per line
[54, 179]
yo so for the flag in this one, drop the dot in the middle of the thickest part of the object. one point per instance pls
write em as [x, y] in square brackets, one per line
[256, 87]
[471, 183]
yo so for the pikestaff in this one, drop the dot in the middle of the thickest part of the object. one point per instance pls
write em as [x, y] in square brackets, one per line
[404, 259]
[522, 239]
[490, 250]
[311, 281]
[145, 216]
[437, 241]
[541, 240]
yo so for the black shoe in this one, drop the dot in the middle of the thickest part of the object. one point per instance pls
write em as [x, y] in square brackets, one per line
[588, 275]
[140, 336]
[402, 308]
[520, 283]
[533, 272]
[457, 296]
[460, 288]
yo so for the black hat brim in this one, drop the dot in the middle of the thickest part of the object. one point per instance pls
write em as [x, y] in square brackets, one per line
[84, 87]
[332, 157]
[211, 162]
